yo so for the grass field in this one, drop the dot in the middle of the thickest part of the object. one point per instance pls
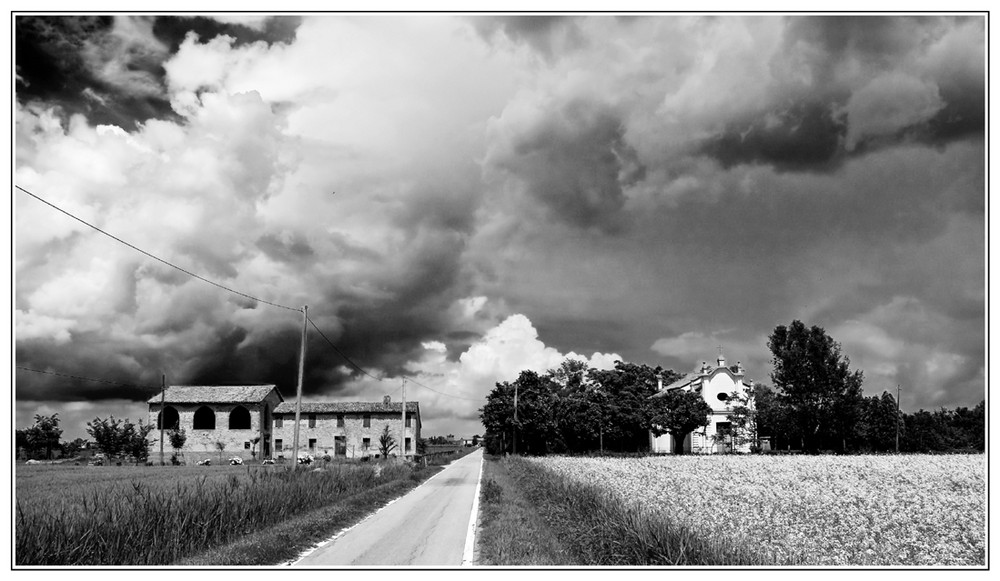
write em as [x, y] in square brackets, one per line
[812, 510]
[122, 515]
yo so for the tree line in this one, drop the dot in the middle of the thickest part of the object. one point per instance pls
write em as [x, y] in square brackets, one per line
[113, 437]
[816, 404]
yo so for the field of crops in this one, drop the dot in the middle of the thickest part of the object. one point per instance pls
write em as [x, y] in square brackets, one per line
[816, 510]
[110, 515]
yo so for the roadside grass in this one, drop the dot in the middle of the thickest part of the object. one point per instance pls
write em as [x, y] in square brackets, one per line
[287, 540]
[553, 520]
[511, 531]
[290, 538]
[163, 515]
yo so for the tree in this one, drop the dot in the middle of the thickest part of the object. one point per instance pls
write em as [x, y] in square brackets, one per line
[876, 428]
[71, 449]
[386, 443]
[678, 413]
[177, 440]
[120, 437]
[44, 435]
[220, 446]
[815, 380]
[107, 435]
[742, 419]
[136, 444]
[626, 404]
[253, 446]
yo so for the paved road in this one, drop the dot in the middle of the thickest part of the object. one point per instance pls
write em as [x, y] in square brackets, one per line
[428, 526]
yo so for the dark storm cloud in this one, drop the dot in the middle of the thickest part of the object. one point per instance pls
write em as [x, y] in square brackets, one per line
[173, 30]
[88, 65]
[575, 162]
[893, 79]
[803, 136]
[54, 67]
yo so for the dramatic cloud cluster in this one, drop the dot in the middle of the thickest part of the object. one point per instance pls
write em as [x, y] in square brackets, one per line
[460, 198]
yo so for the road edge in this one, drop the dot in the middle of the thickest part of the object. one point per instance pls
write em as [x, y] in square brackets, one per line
[468, 556]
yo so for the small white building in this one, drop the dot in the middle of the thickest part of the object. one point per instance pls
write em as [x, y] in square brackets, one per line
[715, 384]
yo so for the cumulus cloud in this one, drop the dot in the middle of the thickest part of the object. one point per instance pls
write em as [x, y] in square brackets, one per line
[419, 180]
[452, 392]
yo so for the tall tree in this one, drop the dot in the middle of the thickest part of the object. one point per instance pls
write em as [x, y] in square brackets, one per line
[678, 413]
[877, 425]
[815, 380]
[45, 434]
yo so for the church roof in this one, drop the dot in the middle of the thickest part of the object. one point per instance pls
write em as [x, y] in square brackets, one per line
[347, 407]
[684, 381]
[215, 394]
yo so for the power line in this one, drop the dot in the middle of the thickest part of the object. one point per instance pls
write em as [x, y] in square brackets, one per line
[136, 248]
[87, 378]
[439, 392]
[356, 366]
[341, 353]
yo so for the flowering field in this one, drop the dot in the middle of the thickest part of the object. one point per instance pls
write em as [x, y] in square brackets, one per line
[818, 510]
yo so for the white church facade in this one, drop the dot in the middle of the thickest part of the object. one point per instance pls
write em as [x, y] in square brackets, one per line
[715, 383]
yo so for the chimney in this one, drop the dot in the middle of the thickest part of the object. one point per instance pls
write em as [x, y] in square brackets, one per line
[386, 399]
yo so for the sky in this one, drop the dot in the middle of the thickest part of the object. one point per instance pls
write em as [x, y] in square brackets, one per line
[458, 198]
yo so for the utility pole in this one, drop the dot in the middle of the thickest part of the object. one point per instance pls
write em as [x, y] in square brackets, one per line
[897, 418]
[163, 415]
[298, 391]
[402, 428]
[515, 418]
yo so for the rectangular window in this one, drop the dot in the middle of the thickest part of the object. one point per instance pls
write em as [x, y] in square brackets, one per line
[408, 417]
[277, 421]
[312, 420]
[339, 446]
[367, 420]
[246, 445]
[312, 444]
[340, 420]
[406, 447]
[366, 443]
[277, 445]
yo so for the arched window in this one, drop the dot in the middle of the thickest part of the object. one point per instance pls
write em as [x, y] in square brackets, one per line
[173, 419]
[239, 418]
[204, 418]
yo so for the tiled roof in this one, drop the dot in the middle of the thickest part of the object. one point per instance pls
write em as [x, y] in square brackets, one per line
[215, 394]
[346, 407]
[684, 381]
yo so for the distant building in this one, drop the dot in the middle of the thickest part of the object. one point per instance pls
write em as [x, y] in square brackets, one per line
[235, 415]
[345, 429]
[210, 415]
[715, 383]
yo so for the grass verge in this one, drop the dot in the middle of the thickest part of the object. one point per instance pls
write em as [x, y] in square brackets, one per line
[290, 538]
[555, 521]
[160, 516]
[511, 531]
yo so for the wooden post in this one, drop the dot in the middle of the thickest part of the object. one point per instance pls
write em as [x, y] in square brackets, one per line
[163, 412]
[897, 418]
[402, 428]
[515, 418]
[298, 391]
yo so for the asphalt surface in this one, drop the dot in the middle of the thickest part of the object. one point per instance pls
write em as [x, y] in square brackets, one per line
[429, 526]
